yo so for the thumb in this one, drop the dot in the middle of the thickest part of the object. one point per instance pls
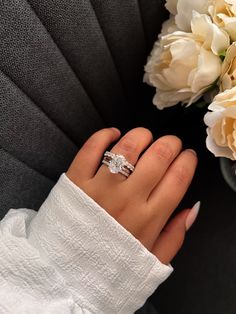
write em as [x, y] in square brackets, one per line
[172, 236]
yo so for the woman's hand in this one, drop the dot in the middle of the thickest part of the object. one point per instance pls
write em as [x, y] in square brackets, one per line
[143, 202]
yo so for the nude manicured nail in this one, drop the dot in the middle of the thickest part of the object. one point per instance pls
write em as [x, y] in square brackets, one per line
[192, 151]
[116, 130]
[192, 216]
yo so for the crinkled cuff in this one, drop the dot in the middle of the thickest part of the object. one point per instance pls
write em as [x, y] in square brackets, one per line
[105, 267]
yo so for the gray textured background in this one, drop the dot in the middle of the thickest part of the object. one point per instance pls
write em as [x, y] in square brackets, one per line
[69, 68]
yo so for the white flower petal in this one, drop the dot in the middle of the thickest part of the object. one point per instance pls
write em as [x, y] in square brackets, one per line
[185, 9]
[213, 37]
[171, 6]
[230, 27]
[169, 27]
[223, 13]
[165, 99]
[221, 122]
[211, 118]
[208, 70]
[217, 150]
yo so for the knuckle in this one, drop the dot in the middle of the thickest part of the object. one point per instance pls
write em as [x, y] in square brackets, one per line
[141, 132]
[182, 175]
[145, 132]
[128, 144]
[172, 141]
[163, 151]
[92, 142]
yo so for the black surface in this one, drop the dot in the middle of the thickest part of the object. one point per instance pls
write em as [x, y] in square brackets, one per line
[204, 280]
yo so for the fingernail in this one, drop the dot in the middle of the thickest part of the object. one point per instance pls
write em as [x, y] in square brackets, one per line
[192, 216]
[192, 151]
[115, 129]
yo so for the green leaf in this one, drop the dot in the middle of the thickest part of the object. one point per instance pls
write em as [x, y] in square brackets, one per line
[201, 104]
[222, 55]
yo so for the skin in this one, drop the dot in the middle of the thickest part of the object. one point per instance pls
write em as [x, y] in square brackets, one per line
[143, 202]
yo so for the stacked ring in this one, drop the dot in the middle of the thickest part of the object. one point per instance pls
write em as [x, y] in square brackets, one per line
[117, 164]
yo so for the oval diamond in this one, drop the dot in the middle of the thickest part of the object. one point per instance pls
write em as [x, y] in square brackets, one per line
[116, 164]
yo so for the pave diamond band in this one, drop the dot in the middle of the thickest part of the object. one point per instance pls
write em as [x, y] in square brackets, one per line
[117, 164]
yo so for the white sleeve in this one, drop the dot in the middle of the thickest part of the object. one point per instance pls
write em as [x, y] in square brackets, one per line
[73, 257]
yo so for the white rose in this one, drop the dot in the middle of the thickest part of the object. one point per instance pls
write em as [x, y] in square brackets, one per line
[212, 37]
[223, 13]
[171, 6]
[182, 9]
[183, 65]
[228, 76]
[221, 122]
[169, 27]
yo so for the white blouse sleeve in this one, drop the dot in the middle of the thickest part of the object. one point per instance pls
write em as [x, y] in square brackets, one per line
[73, 257]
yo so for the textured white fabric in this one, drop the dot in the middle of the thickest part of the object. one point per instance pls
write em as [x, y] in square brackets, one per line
[73, 257]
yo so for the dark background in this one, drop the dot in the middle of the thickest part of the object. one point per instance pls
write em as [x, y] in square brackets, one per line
[204, 280]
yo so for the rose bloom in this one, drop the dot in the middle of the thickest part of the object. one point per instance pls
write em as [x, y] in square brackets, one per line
[221, 122]
[182, 9]
[228, 76]
[183, 65]
[169, 27]
[223, 13]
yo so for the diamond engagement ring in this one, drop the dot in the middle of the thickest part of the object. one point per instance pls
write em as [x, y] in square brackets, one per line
[117, 164]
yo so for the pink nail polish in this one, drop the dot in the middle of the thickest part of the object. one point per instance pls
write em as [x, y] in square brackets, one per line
[192, 216]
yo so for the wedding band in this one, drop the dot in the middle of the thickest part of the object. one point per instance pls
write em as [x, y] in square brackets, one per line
[117, 164]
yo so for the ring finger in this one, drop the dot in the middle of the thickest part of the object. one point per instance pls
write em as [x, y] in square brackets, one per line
[130, 146]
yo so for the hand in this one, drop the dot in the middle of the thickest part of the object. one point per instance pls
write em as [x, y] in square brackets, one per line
[143, 202]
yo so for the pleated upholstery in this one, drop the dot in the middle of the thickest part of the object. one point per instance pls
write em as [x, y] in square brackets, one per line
[153, 13]
[30, 57]
[76, 31]
[122, 25]
[21, 184]
[29, 135]
[67, 69]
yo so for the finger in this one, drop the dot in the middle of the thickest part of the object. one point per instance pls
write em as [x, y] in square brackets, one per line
[154, 163]
[130, 146]
[169, 192]
[87, 160]
[171, 238]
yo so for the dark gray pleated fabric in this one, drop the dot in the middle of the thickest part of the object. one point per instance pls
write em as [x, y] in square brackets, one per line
[67, 69]
[29, 135]
[153, 13]
[125, 39]
[21, 184]
[33, 61]
[76, 31]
